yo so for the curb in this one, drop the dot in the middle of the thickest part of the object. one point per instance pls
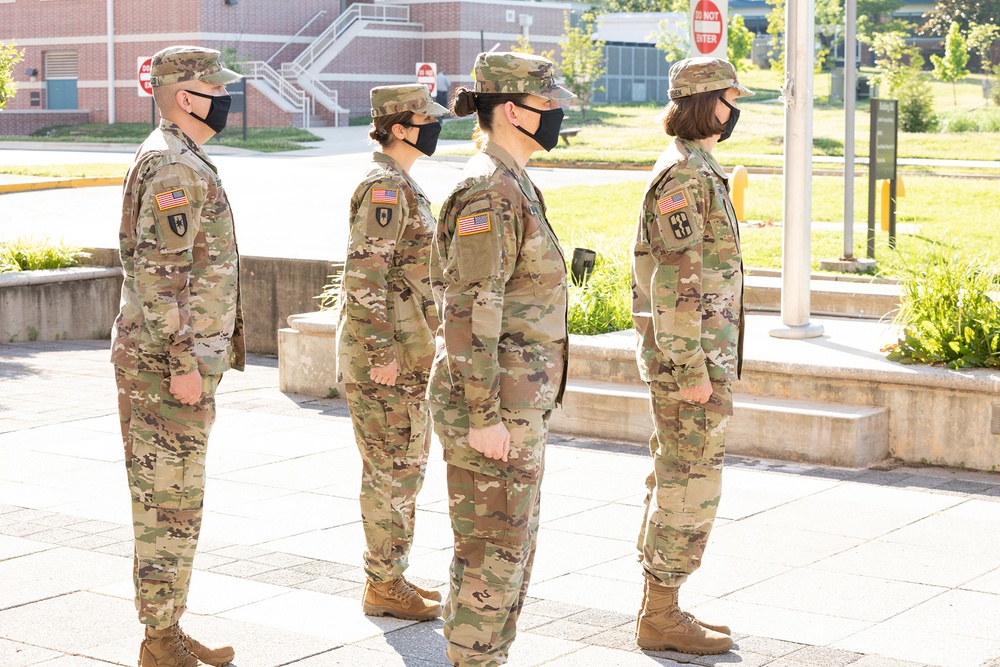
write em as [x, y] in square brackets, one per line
[90, 182]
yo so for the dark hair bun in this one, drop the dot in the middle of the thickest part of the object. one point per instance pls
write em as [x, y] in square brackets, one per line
[464, 103]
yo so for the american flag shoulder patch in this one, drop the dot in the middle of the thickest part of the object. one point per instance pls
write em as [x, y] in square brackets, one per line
[385, 196]
[672, 202]
[171, 199]
[474, 224]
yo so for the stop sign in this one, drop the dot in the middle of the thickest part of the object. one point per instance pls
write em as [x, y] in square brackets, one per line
[145, 64]
[708, 29]
[427, 75]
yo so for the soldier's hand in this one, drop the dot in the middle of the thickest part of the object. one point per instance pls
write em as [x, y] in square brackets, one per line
[385, 374]
[493, 442]
[699, 394]
[186, 387]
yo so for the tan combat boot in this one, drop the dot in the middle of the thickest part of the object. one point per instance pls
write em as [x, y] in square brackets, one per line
[662, 626]
[425, 593]
[718, 627]
[219, 656]
[396, 598]
[165, 648]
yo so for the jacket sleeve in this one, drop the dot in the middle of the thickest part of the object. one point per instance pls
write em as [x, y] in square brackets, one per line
[485, 243]
[677, 209]
[171, 200]
[375, 227]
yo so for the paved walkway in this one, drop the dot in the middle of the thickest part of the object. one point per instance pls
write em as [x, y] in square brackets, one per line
[812, 566]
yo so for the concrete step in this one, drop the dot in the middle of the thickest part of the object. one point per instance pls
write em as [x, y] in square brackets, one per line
[318, 121]
[844, 435]
[827, 297]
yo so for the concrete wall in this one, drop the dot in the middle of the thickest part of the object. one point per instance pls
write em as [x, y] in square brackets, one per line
[22, 123]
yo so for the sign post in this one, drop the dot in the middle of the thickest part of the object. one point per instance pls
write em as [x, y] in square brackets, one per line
[144, 65]
[882, 163]
[427, 75]
[238, 90]
[709, 27]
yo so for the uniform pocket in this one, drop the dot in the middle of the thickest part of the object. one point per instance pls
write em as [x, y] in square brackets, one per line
[164, 473]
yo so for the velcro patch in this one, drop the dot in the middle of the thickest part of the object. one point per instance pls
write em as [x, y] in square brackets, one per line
[171, 199]
[384, 196]
[383, 215]
[178, 223]
[672, 202]
[680, 225]
[474, 224]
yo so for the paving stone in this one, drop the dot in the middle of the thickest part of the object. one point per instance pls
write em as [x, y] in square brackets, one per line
[323, 568]
[602, 618]
[288, 578]
[551, 608]
[566, 629]
[820, 656]
[242, 568]
[282, 560]
[328, 585]
[774, 648]
[620, 638]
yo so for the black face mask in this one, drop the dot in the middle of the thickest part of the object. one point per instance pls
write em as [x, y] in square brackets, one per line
[218, 112]
[549, 124]
[427, 137]
[734, 116]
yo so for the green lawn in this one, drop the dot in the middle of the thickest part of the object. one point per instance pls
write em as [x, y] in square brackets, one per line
[66, 170]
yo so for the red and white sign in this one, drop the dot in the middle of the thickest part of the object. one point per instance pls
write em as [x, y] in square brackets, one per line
[427, 75]
[709, 20]
[145, 64]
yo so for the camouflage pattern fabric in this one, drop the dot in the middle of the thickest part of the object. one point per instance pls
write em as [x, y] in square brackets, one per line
[702, 75]
[180, 308]
[682, 493]
[165, 447]
[687, 275]
[494, 509]
[392, 429]
[500, 281]
[508, 72]
[415, 97]
[176, 64]
[387, 304]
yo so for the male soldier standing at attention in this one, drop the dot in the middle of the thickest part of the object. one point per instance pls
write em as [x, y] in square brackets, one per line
[180, 327]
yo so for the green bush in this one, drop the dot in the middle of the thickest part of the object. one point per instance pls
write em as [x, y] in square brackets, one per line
[977, 120]
[916, 106]
[604, 302]
[31, 254]
[949, 310]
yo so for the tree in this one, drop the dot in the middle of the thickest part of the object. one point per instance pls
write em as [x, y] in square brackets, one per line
[675, 44]
[583, 61]
[612, 6]
[776, 29]
[951, 68]
[9, 57]
[523, 45]
[981, 39]
[739, 42]
[899, 77]
[875, 16]
[962, 12]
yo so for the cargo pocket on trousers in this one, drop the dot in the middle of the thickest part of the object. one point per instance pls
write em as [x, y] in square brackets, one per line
[481, 614]
[667, 541]
[161, 477]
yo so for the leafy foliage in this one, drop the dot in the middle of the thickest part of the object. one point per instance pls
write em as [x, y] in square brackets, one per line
[949, 311]
[33, 254]
[962, 12]
[674, 46]
[951, 67]
[776, 29]
[611, 6]
[604, 302]
[523, 45]
[739, 42]
[583, 61]
[9, 57]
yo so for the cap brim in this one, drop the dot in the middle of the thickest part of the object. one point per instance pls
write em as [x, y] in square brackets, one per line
[223, 76]
[557, 92]
[433, 109]
[743, 92]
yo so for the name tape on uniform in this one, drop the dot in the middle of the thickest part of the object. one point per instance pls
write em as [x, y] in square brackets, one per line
[385, 196]
[474, 224]
[171, 199]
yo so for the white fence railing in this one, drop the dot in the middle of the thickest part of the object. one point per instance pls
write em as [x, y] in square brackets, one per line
[354, 13]
[296, 97]
[322, 93]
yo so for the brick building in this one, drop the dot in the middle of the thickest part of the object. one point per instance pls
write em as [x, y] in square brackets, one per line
[307, 62]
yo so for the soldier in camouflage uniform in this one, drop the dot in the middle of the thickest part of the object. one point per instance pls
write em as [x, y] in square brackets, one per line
[502, 350]
[385, 343]
[687, 304]
[179, 329]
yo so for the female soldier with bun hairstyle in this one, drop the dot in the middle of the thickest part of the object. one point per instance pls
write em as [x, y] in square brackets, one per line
[502, 347]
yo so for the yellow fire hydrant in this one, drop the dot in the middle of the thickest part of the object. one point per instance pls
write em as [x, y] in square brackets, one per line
[738, 183]
[900, 191]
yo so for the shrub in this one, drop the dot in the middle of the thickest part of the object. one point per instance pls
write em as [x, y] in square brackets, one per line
[31, 254]
[916, 106]
[949, 311]
[977, 120]
[604, 302]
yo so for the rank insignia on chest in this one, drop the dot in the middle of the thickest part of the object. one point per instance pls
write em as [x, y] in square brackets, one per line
[383, 215]
[171, 199]
[385, 196]
[178, 223]
[474, 224]
[671, 202]
[680, 225]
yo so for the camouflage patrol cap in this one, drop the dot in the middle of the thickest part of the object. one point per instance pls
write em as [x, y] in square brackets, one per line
[518, 73]
[175, 64]
[702, 75]
[415, 97]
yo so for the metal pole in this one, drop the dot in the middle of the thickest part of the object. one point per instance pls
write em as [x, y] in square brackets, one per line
[872, 175]
[111, 61]
[798, 92]
[850, 90]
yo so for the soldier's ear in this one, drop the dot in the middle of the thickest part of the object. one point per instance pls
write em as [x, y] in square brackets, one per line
[183, 100]
[399, 131]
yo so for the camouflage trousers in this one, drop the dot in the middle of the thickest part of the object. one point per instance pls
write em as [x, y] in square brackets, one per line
[494, 516]
[684, 488]
[392, 429]
[165, 447]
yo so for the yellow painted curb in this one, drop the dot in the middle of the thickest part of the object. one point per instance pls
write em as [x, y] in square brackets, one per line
[94, 182]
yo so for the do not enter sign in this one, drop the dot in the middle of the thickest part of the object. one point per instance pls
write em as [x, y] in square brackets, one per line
[709, 19]
[145, 64]
[427, 75]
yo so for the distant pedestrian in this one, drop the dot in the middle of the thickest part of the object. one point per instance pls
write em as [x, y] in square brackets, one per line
[441, 87]
[180, 327]
[385, 343]
[687, 275]
[502, 351]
